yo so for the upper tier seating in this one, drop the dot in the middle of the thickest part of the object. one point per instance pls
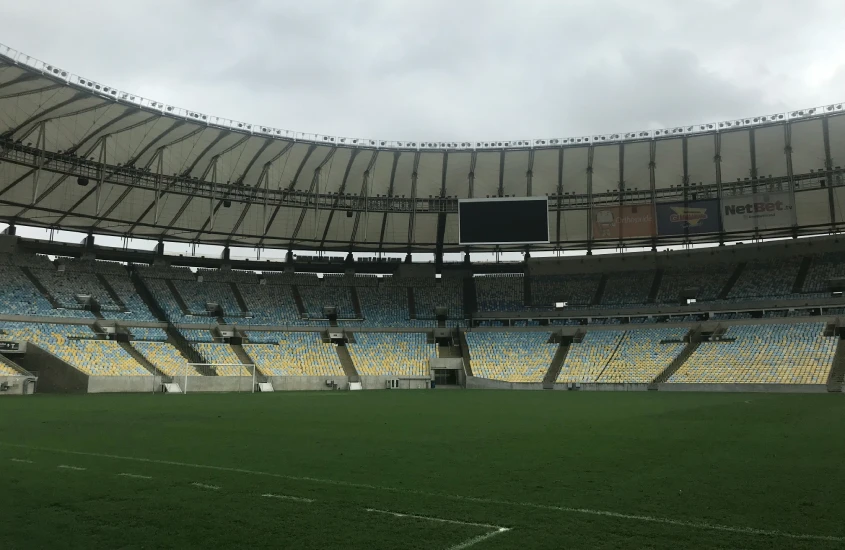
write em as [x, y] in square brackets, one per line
[575, 289]
[271, 305]
[405, 354]
[586, 359]
[707, 279]
[823, 268]
[500, 292]
[166, 358]
[448, 293]
[228, 364]
[641, 356]
[196, 295]
[18, 296]
[762, 354]
[316, 297]
[627, 287]
[297, 354]
[511, 356]
[384, 306]
[117, 277]
[148, 334]
[197, 335]
[766, 279]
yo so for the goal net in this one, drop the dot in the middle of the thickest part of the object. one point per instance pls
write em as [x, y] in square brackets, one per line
[239, 377]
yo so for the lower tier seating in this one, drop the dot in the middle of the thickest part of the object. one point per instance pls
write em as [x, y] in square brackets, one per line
[380, 354]
[511, 356]
[166, 358]
[643, 354]
[762, 354]
[296, 354]
[227, 363]
[586, 359]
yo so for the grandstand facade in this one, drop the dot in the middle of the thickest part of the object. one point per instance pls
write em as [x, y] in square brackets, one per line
[78, 155]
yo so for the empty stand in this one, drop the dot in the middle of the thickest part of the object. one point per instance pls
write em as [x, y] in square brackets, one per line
[500, 292]
[762, 354]
[393, 354]
[642, 355]
[511, 356]
[588, 358]
[296, 354]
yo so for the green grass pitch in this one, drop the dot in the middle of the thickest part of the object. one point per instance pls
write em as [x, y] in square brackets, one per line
[423, 470]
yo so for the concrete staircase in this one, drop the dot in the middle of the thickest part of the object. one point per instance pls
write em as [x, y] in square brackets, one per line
[465, 353]
[347, 364]
[297, 298]
[836, 378]
[798, 286]
[675, 364]
[147, 296]
[239, 297]
[356, 302]
[137, 356]
[244, 358]
[599, 291]
[14, 366]
[554, 368]
[730, 284]
[412, 305]
[178, 297]
[41, 288]
[655, 287]
[110, 291]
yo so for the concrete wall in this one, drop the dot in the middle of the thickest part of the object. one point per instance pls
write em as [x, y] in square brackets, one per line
[18, 385]
[477, 383]
[379, 382]
[220, 384]
[124, 384]
[54, 375]
[606, 387]
[750, 388]
[307, 383]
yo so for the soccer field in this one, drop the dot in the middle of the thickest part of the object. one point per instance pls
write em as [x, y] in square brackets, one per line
[423, 470]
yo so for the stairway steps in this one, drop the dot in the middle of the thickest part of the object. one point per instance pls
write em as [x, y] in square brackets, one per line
[465, 353]
[798, 286]
[554, 368]
[239, 297]
[836, 378]
[110, 291]
[297, 297]
[600, 291]
[144, 362]
[655, 286]
[147, 296]
[178, 297]
[732, 281]
[356, 302]
[41, 288]
[346, 362]
[676, 364]
[412, 305]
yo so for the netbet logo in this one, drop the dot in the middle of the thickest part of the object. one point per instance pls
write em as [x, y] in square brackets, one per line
[755, 208]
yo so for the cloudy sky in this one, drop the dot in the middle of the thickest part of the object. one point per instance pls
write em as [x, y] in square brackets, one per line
[450, 70]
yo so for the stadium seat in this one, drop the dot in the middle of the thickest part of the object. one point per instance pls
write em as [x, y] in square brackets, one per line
[511, 356]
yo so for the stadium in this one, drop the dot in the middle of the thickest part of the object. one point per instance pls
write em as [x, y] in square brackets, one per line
[674, 296]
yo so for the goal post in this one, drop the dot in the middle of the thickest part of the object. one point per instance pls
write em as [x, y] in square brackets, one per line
[216, 366]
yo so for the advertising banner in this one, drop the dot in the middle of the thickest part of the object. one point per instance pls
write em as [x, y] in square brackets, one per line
[759, 211]
[674, 218]
[623, 222]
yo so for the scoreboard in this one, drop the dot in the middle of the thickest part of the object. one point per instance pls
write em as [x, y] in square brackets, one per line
[523, 220]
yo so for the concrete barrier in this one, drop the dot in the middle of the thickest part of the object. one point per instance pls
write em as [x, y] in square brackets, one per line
[607, 387]
[478, 383]
[746, 388]
[216, 384]
[18, 385]
[124, 384]
[380, 382]
[307, 383]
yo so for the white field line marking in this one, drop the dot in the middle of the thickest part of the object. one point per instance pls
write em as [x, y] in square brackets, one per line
[21, 460]
[204, 486]
[288, 497]
[66, 467]
[496, 529]
[566, 509]
[135, 476]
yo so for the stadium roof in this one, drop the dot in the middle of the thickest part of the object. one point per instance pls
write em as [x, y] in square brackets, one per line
[157, 171]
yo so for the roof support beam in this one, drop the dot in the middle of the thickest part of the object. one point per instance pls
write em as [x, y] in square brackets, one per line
[441, 217]
[40, 142]
[365, 193]
[412, 219]
[396, 155]
[340, 192]
[290, 188]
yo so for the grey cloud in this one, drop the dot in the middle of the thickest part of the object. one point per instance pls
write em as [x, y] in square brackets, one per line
[452, 70]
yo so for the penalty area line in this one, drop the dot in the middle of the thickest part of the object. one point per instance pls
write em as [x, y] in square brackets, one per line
[692, 524]
[496, 529]
[288, 497]
[204, 486]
